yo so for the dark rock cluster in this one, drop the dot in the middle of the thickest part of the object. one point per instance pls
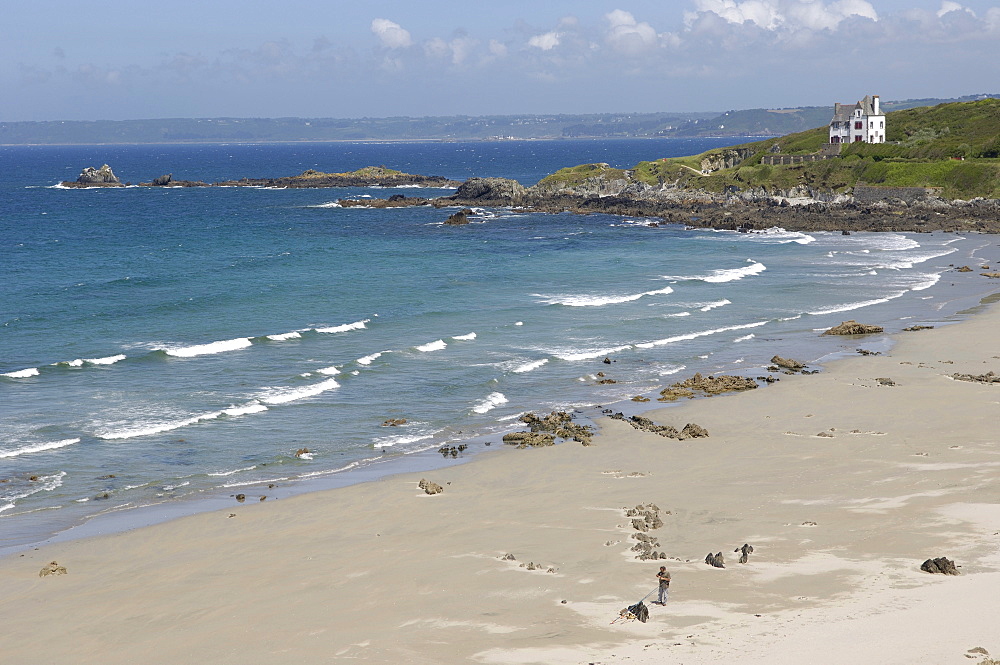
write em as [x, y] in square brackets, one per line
[706, 385]
[429, 487]
[989, 377]
[643, 424]
[452, 450]
[645, 518]
[544, 430]
[852, 327]
[940, 565]
[715, 560]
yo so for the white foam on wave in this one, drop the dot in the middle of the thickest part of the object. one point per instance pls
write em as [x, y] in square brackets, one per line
[667, 371]
[527, 367]
[927, 283]
[432, 346]
[70, 363]
[465, 338]
[148, 429]
[401, 439]
[38, 447]
[722, 275]
[109, 360]
[328, 204]
[492, 401]
[40, 484]
[679, 314]
[847, 307]
[285, 395]
[252, 407]
[744, 338]
[596, 301]
[281, 337]
[22, 373]
[588, 354]
[368, 360]
[233, 472]
[329, 371]
[713, 305]
[357, 325]
[210, 348]
[695, 335]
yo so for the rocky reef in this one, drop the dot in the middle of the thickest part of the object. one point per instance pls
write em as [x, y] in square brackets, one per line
[91, 177]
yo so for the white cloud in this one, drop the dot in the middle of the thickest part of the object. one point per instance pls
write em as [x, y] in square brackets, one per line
[499, 49]
[791, 15]
[948, 7]
[391, 34]
[545, 42]
[627, 35]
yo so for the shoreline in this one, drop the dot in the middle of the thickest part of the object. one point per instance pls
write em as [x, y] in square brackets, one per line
[843, 486]
[376, 467]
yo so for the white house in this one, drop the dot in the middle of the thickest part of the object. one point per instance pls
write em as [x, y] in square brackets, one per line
[863, 122]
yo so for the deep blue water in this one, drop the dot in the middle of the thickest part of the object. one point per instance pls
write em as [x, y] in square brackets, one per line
[164, 344]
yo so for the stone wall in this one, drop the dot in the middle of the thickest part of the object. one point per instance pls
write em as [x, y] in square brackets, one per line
[775, 160]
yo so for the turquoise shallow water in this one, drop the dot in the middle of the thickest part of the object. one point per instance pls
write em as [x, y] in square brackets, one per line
[170, 344]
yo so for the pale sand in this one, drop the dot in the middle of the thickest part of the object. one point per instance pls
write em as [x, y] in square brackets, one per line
[381, 572]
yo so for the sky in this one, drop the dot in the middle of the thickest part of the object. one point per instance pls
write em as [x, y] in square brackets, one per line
[63, 60]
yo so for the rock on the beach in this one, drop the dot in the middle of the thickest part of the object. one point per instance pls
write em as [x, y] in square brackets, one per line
[940, 565]
[52, 568]
[989, 377]
[429, 487]
[744, 551]
[852, 327]
[787, 363]
[693, 431]
[525, 439]
[715, 560]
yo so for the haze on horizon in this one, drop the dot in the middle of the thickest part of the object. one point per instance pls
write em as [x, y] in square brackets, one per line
[308, 58]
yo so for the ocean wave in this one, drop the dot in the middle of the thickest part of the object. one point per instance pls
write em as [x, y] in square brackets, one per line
[401, 439]
[847, 307]
[744, 338]
[210, 348]
[589, 354]
[432, 346]
[329, 371]
[328, 204]
[492, 401]
[368, 360]
[527, 367]
[281, 337]
[38, 447]
[465, 338]
[109, 360]
[931, 280]
[595, 300]
[285, 395]
[18, 491]
[22, 373]
[695, 335]
[148, 429]
[708, 307]
[246, 409]
[782, 236]
[722, 275]
[357, 325]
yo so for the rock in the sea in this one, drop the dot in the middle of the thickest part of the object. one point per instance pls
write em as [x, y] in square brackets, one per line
[162, 181]
[52, 568]
[715, 560]
[963, 269]
[852, 327]
[241, 497]
[459, 218]
[394, 422]
[915, 328]
[429, 487]
[940, 565]
[102, 177]
[490, 190]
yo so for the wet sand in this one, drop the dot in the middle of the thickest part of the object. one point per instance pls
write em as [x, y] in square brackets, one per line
[842, 485]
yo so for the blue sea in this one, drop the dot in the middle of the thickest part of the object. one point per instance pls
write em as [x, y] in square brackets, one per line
[173, 347]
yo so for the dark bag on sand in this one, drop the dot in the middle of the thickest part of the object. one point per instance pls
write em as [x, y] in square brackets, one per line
[639, 611]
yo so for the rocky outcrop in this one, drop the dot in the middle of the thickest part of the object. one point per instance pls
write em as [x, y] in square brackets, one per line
[725, 159]
[558, 424]
[706, 385]
[852, 327]
[988, 377]
[941, 565]
[745, 552]
[526, 439]
[91, 177]
[370, 176]
[490, 191]
[715, 560]
[52, 568]
[788, 363]
[645, 518]
[429, 487]
[459, 218]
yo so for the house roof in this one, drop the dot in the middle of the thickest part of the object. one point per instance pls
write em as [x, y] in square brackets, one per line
[844, 112]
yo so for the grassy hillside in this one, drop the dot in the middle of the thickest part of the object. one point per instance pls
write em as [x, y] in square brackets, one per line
[954, 147]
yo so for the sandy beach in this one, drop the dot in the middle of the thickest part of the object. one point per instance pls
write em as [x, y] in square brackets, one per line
[843, 486]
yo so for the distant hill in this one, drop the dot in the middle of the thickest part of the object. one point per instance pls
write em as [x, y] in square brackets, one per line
[952, 147]
[749, 122]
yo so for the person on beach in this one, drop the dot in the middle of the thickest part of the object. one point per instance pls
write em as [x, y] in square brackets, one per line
[664, 578]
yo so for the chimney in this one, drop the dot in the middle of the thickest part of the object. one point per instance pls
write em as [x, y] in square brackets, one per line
[875, 105]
